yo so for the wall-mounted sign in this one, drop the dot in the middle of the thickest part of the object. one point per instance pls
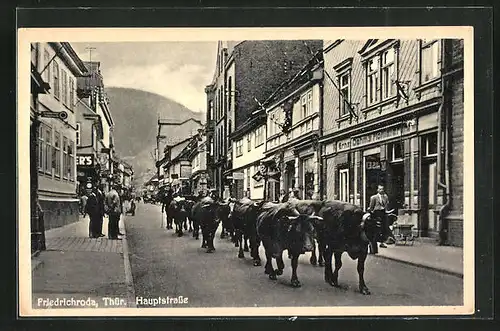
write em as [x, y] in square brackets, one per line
[85, 160]
[375, 137]
[104, 161]
[238, 175]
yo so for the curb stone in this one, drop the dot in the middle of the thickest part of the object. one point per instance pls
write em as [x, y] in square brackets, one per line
[129, 281]
[415, 264]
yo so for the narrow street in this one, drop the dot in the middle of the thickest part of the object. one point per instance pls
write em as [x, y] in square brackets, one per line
[164, 265]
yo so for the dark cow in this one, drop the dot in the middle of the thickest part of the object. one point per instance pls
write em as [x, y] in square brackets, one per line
[342, 229]
[188, 205]
[244, 219]
[177, 213]
[280, 226]
[165, 198]
[223, 214]
[204, 215]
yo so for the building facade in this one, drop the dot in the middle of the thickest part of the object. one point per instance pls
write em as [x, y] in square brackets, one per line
[59, 66]
[95, 150]
[293, 152]
[382, 124]
[247, 72]
[198, 159]
[249, 144]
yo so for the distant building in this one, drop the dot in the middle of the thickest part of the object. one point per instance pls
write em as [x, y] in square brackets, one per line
[198, 158]
[246, 71]
[58, 65]
[293, 128]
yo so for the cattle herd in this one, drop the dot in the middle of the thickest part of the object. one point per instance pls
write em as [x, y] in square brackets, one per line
[295, 226]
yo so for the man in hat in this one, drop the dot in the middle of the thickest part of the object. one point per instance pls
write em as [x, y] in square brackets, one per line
[94, 210]
[113, 208]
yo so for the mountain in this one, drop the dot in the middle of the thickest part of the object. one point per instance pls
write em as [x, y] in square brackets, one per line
[135, 113]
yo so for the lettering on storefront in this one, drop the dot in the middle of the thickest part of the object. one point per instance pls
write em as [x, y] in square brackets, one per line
[375, 137]
[85, 160]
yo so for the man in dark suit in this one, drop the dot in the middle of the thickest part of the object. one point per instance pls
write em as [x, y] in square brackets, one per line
[100, 197]
[378, 207]
[95, 213]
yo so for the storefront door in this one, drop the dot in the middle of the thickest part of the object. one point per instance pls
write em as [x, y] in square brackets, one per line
[428, 198]
[290, 176]
[395, 185]
[374, 176]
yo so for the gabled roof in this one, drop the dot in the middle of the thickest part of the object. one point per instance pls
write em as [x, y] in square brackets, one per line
[369, 42]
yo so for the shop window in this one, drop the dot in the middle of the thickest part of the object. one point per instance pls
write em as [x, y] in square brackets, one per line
[308, 170]
[429, 144]
[344, 185]
[249, 142]
[247, 184]
[395, 151]
[429, 60]
[56, 154]
[345, 93]
[239, 147]
[57, 92]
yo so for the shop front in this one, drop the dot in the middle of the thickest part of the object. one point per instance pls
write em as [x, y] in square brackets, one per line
[87, 171]
[400, 156]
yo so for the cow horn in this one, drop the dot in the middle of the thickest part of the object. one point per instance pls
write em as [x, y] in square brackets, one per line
[319, 218]
[291, 218]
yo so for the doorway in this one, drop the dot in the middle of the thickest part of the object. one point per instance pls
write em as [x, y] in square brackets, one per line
[428, 222]
[395, 186]
[290, 176]
[374, 176]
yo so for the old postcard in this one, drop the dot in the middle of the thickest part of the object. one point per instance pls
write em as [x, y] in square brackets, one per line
[246, 172]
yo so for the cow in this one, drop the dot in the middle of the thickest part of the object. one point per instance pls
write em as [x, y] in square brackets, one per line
[166, 198]
[281, 227]
[244, 218]
[176, 212]
[224, 210]
[342, 228]
[204, 215]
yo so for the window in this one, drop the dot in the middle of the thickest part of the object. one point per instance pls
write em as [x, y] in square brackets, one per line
[249, 142]
[71, 161]
[259, 136]
[78, 134]
[65, 158]
[429, 60]
[395, 151]
[41, 147]
[430, 144]
[56, 81]
[46, 59]
[388, 73]
[211, 109]
[373, 80]
[211, 147]
[56, 154]
[345, 91]
[306, 104]
[71, 93]
[64, 87]
[239, 147]
[48, 150]
[229, 95]
[344, 185]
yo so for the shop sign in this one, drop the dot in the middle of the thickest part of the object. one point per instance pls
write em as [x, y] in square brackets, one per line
[104, 161]
[375, 137]
[85, 160]
[238, 176]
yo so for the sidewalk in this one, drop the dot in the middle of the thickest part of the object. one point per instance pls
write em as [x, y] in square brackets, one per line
[78, 268]
[427, 255]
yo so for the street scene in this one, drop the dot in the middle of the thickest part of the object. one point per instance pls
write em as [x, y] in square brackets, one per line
[249, 173]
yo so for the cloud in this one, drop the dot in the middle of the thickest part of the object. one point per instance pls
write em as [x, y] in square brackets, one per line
[185, 84]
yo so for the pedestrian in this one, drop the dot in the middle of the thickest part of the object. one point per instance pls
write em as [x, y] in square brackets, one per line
[83, 204]
[93, 209]
[113, 209]
[100, 220]
[378, 207]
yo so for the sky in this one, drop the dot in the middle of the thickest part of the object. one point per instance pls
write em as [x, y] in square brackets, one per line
[177, 70]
